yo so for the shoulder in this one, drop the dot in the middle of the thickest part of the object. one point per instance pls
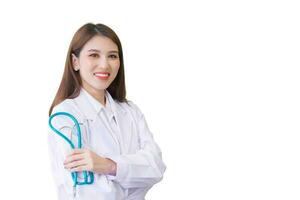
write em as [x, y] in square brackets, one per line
[66, 105]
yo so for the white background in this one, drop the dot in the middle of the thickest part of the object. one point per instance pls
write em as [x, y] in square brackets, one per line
[218, 82]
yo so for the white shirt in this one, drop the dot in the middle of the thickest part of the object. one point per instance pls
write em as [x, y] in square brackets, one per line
[117, 131]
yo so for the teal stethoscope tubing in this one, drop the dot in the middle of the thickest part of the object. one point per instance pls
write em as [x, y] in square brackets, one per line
[88, 176]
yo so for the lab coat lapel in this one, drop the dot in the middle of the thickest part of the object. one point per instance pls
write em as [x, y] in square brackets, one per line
[85, 108]
[88, 112]
[118, 111]
[121, 118]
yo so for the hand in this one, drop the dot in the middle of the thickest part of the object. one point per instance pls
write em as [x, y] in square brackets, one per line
[86, 160]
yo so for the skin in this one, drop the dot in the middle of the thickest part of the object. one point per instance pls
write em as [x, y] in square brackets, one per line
[99, 54]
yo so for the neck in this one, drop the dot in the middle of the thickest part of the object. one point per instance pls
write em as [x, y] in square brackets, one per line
[99, 95]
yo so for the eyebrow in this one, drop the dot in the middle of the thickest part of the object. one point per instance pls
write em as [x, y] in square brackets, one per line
[96, 50]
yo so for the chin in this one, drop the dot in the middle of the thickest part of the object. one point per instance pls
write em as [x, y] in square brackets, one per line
[101, 87]
[97, 85]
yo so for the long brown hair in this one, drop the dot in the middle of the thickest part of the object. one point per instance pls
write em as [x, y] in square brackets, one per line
[70, 84]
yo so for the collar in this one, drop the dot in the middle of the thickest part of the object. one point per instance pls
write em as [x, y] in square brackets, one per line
[94, 102]
[90, 107]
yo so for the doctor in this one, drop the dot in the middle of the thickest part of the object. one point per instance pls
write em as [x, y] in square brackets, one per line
[118, 146]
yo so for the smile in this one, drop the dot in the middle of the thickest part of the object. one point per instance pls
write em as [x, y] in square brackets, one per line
[102, 75]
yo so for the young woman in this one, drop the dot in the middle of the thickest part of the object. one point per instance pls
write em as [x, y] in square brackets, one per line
[118, 146]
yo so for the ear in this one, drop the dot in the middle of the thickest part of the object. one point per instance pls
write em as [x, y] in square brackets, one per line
[75, 62]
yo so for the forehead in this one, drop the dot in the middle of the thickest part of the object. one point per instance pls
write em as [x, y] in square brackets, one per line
[101, 43]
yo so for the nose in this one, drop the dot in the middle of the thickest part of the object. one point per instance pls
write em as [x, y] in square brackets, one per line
[103, 63]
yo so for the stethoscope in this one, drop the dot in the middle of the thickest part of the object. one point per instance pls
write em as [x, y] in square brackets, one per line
[88, 176]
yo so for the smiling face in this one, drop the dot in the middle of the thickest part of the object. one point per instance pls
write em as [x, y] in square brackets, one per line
[98, 64]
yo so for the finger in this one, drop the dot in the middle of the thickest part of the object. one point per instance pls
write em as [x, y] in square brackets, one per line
[73, 158]
[78, 151]
[75, 164]
[80, 168]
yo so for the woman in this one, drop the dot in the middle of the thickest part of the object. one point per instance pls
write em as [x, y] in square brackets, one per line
[118, 147]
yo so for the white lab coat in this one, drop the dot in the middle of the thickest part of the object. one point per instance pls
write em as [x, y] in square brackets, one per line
[129, 143]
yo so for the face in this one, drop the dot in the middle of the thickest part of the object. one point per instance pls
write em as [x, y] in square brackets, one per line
[98, 63]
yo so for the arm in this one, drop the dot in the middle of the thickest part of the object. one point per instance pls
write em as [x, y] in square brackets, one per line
[145, 167]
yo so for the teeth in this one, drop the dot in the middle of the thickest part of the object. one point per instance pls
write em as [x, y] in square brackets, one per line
[102, 75]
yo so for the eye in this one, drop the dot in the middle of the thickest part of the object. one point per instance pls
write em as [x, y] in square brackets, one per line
[113, 56]
[94, 55]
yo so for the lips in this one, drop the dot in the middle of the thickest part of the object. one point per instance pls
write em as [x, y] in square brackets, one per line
[102, 75]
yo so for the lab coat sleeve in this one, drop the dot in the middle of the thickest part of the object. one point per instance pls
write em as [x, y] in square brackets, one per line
[143, 168]
[58, 150]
